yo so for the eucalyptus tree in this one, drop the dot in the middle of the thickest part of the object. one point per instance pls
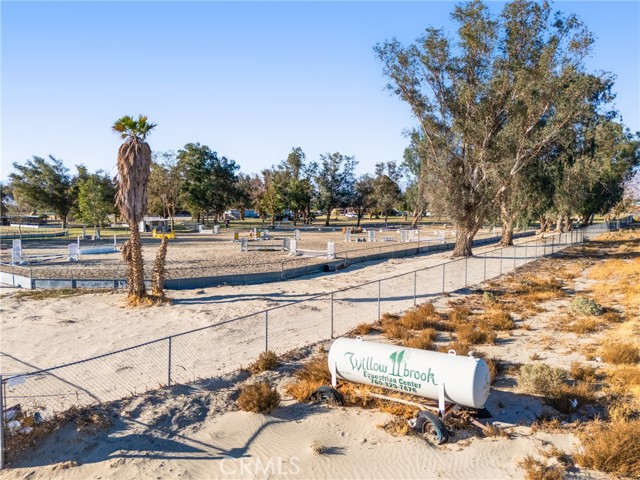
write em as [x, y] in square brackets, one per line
[363, 197]
[489, 104]
[165, 185]
[335, 179]
[44, 185]
[386, 191]
[296, 186]
[134, 169]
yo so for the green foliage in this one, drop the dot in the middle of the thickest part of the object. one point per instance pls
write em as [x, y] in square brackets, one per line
[133, 130]
[586, 306]
[44, 185]
[491, 103]
[96, 199]
[208, 180]
[335, 180]
[165, 185]
[386, 192]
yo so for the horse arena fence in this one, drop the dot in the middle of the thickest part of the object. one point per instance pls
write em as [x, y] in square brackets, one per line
[212, 351]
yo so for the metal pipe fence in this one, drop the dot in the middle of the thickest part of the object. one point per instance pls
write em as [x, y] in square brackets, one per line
[224, 347]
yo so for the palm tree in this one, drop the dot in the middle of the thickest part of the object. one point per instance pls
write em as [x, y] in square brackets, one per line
[134, 167]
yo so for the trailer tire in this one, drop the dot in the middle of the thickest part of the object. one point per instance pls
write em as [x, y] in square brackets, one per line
[431, 428]
[327, 395]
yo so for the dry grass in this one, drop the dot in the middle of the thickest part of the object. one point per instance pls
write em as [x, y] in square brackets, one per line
[363, 329]
[423, 340]
[585, 373]
[498, 319]
[492, 430]
[535, 356]
[258, 398]
[581, 325]
[620, 352]
[611, 447]
[394, 330]
[472, 335]
[396, 427]
[43, 294]
[458, 346]
[310, 376]
[538, 470]
[266, 361]
[318, 448]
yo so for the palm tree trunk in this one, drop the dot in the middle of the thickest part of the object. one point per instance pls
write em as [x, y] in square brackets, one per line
[157, 279]
[135, 271]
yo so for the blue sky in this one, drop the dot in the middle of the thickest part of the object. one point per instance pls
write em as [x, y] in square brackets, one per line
[251, 80]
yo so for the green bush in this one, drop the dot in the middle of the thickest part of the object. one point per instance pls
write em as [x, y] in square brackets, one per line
[541, 379]
[586, 306]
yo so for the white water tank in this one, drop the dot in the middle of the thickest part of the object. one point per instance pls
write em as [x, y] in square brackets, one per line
[466, 379]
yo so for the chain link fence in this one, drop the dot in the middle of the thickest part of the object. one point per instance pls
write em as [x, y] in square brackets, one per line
[218, 349]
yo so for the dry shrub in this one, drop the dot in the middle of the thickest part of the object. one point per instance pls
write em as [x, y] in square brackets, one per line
[470, 334]
[427, 309]
[363, 329]
[611, 447]
[458, 346]
[612, 317]
[492, 430]
[318, 448]
[566, 396]
[311, 375]
[93, 419]
[535, 356]
[620, 352]
[424, 340]
[386, 316]
[579, 371]
[394, 330]
[266, 361]
[396, 427]
[583, 325]
[538, 470]
[541, 379]
[625, 379]
[414, 320]
[258, 398]
[498, 320]
[459, 315]
[489, 297]
[538, 289]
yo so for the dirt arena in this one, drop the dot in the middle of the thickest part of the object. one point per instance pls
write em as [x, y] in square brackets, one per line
[192, 255]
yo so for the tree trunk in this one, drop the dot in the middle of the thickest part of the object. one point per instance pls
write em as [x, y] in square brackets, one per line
[359, 218]
[508, 223]
[64, 221]
[464, 239]
[326, 222]
[135, 270]
[559, 223]
[416, 218]
[567, 222]
[157, 279]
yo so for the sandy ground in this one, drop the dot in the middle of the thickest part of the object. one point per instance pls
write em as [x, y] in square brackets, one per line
[195, 431]
[200, 255]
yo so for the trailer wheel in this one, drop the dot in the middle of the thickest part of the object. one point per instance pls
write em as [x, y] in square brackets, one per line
[327, 395]
[431, 428]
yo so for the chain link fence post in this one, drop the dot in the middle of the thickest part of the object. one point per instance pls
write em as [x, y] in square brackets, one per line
[266, 331]
[331, 316]
[169, 365]
[466, 267]
[443, 267]
[500, 260]
[379, 282]
[514, 258]
[2, 443]
[485, 266]
[415, 282]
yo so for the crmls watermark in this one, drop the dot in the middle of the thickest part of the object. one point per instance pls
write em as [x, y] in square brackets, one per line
[253, 467]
